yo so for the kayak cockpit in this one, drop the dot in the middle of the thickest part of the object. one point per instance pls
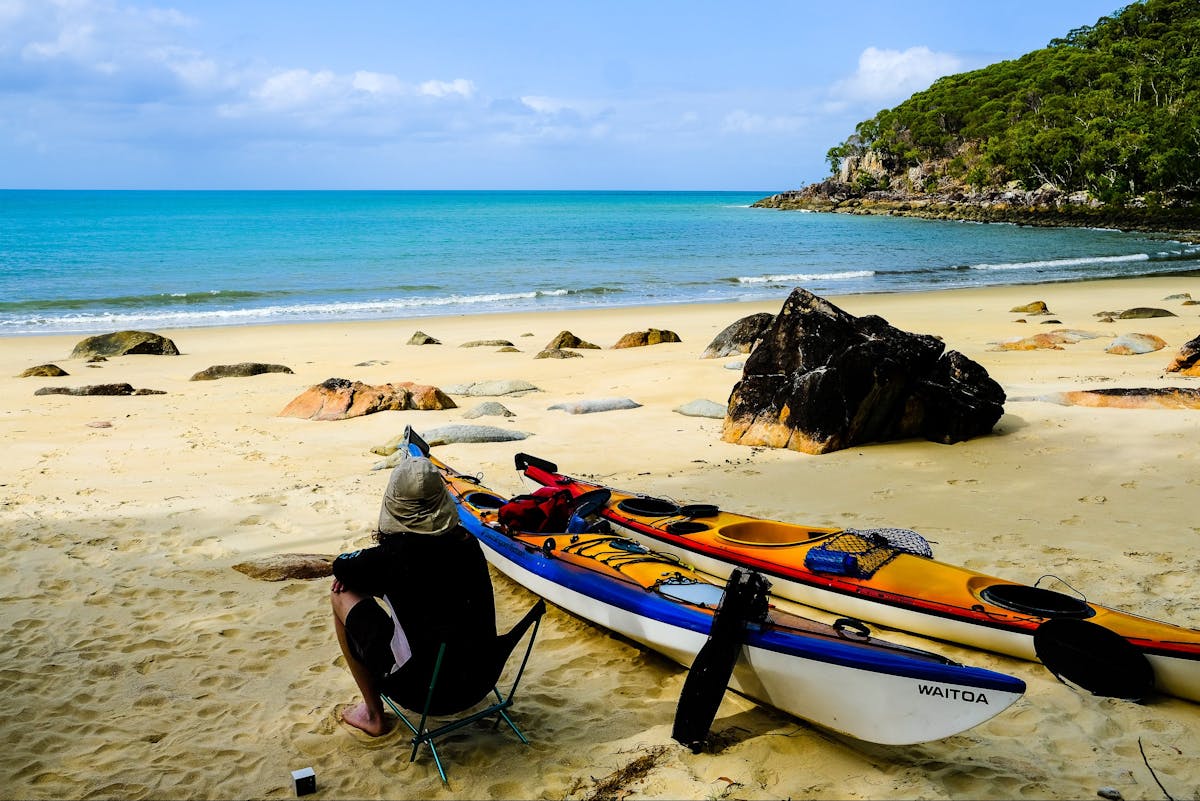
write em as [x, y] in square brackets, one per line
[483, 500]
[767, 532]
[1027, 600]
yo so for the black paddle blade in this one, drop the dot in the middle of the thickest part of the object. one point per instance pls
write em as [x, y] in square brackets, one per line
[412, 437]
[745, 600]
[1095, 658]
[591, 502]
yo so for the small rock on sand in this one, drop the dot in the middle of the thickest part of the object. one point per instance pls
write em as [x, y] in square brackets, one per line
[703, 408]
[1134, 344]
[595, 405]
[502, 386]
[446, 435]
[283, 566]
[488, 408]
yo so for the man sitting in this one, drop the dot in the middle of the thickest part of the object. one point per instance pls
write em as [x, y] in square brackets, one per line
[425, 583]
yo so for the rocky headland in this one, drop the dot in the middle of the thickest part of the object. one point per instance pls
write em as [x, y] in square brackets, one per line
[1045, 206]
[1096, 129]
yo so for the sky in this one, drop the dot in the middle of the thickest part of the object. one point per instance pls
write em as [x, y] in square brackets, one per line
[519, 94]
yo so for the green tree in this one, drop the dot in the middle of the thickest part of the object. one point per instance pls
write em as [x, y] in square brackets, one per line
[1112, 108]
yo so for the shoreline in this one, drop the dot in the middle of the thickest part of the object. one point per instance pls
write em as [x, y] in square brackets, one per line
[238, 260]
[167, 674]
[1182, 274]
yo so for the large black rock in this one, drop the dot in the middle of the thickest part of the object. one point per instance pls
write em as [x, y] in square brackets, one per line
[821, 380]
[121, 343]
[739, 336]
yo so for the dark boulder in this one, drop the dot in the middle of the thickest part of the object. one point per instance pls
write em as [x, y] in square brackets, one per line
[566, 339]
[240, 370]
[821, 380]
[558, 353]
[651, 336]
[1145, 313]
[97, 390]
[421, 338]
[93, 389]
[122, 343]
[739, 336]
[1187, 361]
[1036, 307]
[44, 371]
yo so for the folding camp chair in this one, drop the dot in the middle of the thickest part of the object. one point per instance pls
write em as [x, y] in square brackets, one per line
[478, 671]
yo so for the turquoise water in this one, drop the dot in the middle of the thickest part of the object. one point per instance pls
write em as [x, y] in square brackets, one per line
[97, 261]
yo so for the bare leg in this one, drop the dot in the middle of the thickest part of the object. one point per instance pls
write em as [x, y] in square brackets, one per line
[367, 716]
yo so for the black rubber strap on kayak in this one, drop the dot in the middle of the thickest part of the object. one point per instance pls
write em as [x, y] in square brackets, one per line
[745, 600]
[523, 460]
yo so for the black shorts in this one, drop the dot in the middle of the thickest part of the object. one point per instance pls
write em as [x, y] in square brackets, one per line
[369, 634]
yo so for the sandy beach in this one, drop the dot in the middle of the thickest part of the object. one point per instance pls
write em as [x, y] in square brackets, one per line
[140, 664]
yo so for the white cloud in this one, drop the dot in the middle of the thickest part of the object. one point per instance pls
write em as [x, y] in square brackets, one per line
[324, 97]
[72, 41]
[102, 51]
[377, 83]
[129, 54]
[543, 119]
[100, 35]
[574, 108]
[543, 105]
[104, 76]
[459, 86]
[295, 88]
[194, 70]
[169, 17]
[741, 121]
[891, 75]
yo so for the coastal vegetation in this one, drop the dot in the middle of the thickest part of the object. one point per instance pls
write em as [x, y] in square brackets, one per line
[1102, 126]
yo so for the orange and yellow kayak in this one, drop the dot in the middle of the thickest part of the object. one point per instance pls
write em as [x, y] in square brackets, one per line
[889, 577]
[836, 676]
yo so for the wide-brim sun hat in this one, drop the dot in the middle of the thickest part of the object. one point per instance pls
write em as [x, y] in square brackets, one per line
[416, 500]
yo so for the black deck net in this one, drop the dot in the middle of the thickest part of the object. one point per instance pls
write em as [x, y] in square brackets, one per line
[868, 549]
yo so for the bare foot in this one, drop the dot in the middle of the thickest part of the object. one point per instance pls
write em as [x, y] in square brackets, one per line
[361, 717]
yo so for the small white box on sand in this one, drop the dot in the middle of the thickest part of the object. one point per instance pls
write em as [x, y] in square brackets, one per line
[306, 781]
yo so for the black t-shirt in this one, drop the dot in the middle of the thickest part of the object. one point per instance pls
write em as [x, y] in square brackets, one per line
[439, 586]
[441, 592]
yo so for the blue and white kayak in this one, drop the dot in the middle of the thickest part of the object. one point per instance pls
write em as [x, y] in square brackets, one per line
[838, 677]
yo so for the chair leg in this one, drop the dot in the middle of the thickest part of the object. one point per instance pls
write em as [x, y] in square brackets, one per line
[513, 726]
[417, 738]
[497, 710]
[416, 742]
[437, 760]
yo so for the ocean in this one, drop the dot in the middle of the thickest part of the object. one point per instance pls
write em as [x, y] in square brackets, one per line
[97, 261]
